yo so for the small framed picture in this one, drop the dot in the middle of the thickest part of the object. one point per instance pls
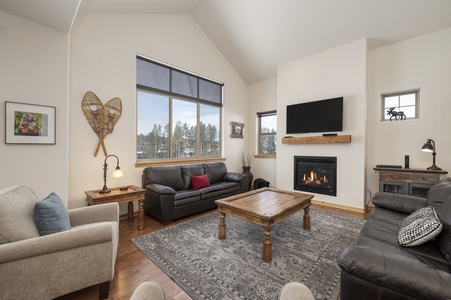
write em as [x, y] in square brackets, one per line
[237, 130]
[29, 123]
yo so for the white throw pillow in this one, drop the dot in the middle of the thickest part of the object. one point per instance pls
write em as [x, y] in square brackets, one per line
[419, 227]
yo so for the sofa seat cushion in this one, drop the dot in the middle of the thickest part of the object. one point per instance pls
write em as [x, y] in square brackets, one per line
[381, 231]
[51, 216]
[16, 214]
[427, 253]
[419, 227]
[230, 187]
[211, 191]
[186, 194]
[186, 197]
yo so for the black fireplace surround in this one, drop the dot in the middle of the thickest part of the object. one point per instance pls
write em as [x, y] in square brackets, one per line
[316, 174]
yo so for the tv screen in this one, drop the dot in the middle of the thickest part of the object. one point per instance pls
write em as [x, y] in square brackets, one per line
[316, 116]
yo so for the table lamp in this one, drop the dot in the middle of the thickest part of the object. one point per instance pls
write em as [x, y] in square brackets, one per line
[116, 174]
[429, 146]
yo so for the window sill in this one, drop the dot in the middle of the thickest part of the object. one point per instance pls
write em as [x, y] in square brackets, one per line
[269, 156]
[164, 162]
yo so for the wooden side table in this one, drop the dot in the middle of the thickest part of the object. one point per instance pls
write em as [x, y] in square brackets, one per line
[133, 193]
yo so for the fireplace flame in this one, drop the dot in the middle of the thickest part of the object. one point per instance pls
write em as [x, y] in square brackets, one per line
[314, 178]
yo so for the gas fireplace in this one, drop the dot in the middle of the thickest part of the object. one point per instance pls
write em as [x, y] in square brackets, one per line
[316, 174]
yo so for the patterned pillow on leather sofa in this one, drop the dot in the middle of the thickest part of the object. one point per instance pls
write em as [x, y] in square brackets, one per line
[419, 227]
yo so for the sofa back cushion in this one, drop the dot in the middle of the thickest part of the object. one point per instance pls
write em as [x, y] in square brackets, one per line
[444, 239]
[438, 193]
[215, 171]
[16, 214]
[191, 170]
[166, 175]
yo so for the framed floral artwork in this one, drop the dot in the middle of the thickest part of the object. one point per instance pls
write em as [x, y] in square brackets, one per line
[29, 123]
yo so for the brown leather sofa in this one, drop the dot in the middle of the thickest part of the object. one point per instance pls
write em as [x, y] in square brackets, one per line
[378, 268]
[170, 194]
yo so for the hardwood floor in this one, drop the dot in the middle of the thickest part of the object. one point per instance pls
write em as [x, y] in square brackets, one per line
[133, 267]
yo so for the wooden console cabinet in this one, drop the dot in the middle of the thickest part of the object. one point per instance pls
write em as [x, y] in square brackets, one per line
[416, 182]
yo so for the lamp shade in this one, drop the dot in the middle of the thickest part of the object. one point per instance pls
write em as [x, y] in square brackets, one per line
[117, 173]
[428, 147]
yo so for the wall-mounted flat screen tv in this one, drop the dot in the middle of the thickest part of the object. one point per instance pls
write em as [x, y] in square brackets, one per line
[316, 116]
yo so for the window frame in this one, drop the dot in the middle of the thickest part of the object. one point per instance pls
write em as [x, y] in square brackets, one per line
[416, 92]
[261, 115]
[177, 96]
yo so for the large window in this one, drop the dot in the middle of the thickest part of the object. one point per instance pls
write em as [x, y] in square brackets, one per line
[267, 133]
[400, 106]
[178, 113]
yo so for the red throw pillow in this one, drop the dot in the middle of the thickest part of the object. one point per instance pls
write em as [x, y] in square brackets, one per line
[200, 182]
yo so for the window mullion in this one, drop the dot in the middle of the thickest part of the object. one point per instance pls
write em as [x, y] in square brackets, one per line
[170, 127]
[198, 141]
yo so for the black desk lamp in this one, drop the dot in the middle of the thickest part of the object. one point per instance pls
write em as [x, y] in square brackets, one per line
[116, 174]
[429, 146]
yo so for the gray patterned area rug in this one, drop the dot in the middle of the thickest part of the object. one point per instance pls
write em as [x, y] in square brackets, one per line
[207, 268]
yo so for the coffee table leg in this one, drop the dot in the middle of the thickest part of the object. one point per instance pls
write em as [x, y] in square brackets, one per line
[267, 245]
[222, 226]
[307, 218]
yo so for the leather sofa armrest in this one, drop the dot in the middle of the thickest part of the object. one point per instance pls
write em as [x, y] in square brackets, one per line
[108, 212]
[406, 204]
[396, 272]
[234, 177]
[160, 189]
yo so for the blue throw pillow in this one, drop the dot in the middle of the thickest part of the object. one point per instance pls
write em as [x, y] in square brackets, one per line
[50, 215]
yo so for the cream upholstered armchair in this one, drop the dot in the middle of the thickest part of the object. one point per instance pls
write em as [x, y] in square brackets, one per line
[38, 266]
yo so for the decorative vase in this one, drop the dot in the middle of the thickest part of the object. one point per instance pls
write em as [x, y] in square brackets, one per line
[249, 177]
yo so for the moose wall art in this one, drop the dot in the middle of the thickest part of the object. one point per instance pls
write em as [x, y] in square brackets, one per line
[392, 113]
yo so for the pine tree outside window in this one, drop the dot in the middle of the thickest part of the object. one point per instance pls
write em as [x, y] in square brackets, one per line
[267, 133]
[178, 114]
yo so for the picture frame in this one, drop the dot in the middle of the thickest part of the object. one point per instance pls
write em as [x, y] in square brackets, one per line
[29, 123]
[237, 130]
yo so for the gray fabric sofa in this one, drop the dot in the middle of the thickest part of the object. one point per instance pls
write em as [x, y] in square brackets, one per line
[170, 194]
[53, 265]
[378, 268]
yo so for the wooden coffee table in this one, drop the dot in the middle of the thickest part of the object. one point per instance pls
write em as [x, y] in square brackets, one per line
[265, 207]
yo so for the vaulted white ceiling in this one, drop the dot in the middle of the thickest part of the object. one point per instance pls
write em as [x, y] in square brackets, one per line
[258, 35]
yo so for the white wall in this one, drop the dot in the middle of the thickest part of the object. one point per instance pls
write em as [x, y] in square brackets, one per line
[340, 71]
[262, 97]
[103, 51]
[34, 69]
[420, 63]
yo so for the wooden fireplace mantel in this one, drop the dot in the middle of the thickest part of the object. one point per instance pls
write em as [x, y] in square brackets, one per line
[317, 140]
